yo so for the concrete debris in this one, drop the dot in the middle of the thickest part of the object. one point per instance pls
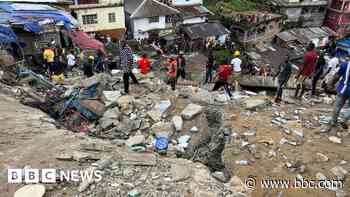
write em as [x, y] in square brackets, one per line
[321, 157]
[191, 110]
[339, 172]
[320, 176]
[177, 122]
[194, 130]
[335, 139]
[256, 104]
[135, 140]
[162, 129]
[35, 190]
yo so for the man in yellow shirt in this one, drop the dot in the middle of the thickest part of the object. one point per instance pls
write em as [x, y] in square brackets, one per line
[49, 56]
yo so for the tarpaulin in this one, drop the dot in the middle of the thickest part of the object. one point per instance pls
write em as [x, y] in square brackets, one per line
[84, 41]
[7, 35]
[32, 15]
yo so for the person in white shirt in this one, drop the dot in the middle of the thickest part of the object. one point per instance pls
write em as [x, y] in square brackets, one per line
[236, 63]
[332, 68]
[71, 60]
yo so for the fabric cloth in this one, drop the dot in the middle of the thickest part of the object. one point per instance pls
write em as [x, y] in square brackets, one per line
[126, 59]
[88, 69]
[332, 68]
[225, 72]
[49, 55]
[71, 60]
[236, 64]
[281, 85]
[310, 59]
[172, 73]
[343, 88]
[145, 65]
[339, 104]
[58, 79]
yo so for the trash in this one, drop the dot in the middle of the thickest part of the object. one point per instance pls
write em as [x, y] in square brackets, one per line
[183, 141]
[177, 122]
[243, 162]
[335, 139]
[36, 190]
[194, 130]
[285, 141]
[250, 132]
[134, 193]
[162, 144]
[191, 110]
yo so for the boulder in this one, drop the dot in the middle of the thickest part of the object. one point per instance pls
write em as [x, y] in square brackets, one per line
[126, 104]
[162, 129]
[135, 140]
[178, 123]
[106, 123]
[335, 139]
[191, 111]
[36, 190]
[111, 96]
[112, 113]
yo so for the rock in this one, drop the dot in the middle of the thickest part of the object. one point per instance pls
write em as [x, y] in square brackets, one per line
[112, 113]
[138, 159]
[236, 185]
[36, 190]
[135, 140]
[339, 171]
[162, 129]
[94, 106]
[320, 176]
[205, 193]
[256, 104]
[159, 110]
[191, 110]
[220, 176]
[335, 139]
[180, 172]
[340, 193]
[126, 104]
[118, 142]
[221, 98]
[321, 157]
[156, 116]
[178, 123]
[111, 96]
[106, 123]
[64, 157]
[194, 130]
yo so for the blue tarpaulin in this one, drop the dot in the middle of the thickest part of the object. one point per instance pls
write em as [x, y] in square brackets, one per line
[343, 47]
[31, 16]
[7, 36]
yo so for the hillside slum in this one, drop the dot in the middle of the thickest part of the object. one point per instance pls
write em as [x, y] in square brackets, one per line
[156, 141]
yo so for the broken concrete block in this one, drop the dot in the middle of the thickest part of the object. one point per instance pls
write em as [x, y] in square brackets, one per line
[191, 110]
[36, 190]
[194, 130]
[339, 171]
[94, 106]
[321, 157]
[178, 123]
[256, 104]
[162, 129]
[112, 113]
[111, 96]
[135, 140]
[335, 139]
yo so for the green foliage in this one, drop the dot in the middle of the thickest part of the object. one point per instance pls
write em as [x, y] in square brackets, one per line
[231, 5]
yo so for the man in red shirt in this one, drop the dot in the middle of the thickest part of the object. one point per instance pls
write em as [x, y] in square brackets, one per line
[172, 72]
[224, 73]
[307, 70]
[145, 64]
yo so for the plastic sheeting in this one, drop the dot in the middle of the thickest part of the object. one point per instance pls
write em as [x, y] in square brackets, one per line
[84, 41]
[33, 19]
[7, 35]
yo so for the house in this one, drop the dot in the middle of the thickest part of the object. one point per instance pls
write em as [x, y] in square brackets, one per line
[255, 28]
[302, 13]
[105, 17]
[338, 17]
[149, 18]
[191, 11]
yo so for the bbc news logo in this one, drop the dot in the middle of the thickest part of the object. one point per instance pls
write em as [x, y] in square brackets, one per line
[52, 176]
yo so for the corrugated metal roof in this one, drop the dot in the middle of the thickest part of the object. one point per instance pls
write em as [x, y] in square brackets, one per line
[39, 1]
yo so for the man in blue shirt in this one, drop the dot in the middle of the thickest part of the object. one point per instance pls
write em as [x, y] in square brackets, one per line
[343, 94]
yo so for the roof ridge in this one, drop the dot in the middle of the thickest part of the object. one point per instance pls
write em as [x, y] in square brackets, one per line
[155, 1]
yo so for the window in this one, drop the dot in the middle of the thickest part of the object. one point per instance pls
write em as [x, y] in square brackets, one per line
[111, 17]
[154, 19]
[321, 9]
[90, 19]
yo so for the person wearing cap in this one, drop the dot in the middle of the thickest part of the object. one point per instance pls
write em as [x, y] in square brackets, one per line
[181, 66]
[145, 64]
[126, 63]
[284, 72]
[307, 70]
[236, 63]
[89, 67]
[172, 72]
[222, 77]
